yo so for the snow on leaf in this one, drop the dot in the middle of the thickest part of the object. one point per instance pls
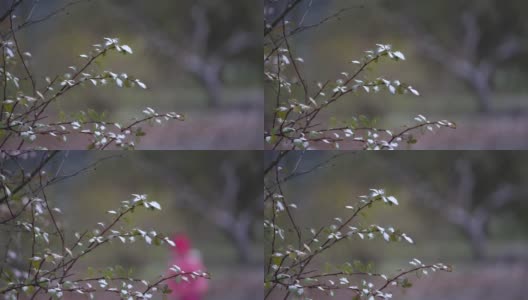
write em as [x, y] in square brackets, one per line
[141, 84]
[415, 92]
[393, 200]
[155, 204]
[127, 49]
[148, 239]
[399, 55]
[386, 236]
[170, 242]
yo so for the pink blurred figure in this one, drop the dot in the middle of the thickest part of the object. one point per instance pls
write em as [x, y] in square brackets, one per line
[188, 260]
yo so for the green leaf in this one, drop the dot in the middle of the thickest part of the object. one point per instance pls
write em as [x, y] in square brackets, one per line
[406, 283]
[139, 132]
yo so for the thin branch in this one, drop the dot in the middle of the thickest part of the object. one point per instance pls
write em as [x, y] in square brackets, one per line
[289, 7]
[47, 158]
[21, 57]
[275, 162]
[29, 22]
[11, 9]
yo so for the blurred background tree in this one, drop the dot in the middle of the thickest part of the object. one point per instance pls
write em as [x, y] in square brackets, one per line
[473, 41]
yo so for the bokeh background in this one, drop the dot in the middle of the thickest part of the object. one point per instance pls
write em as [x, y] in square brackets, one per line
[214, 198]
[467, 59]
[463, 208]
[198, 58]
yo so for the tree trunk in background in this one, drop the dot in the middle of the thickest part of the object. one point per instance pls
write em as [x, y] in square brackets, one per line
[480, 84]
[212, 82]
[477, 239]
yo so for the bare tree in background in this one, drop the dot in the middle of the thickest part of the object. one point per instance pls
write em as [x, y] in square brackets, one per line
[236, 209]
[461, 205]
[205, 46]
[205, 64]
[486, 38]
